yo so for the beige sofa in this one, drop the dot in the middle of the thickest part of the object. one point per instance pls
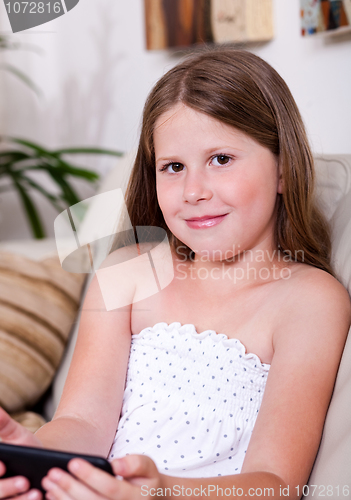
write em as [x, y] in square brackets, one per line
[333, 464]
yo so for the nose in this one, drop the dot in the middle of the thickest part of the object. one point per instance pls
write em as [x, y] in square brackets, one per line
[196, 187]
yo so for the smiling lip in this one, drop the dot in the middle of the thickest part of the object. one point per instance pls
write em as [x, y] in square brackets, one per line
[206, 221]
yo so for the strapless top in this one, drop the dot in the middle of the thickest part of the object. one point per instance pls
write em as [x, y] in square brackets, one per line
[191, 400]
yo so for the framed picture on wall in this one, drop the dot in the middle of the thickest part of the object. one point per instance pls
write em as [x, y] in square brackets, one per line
[183, 23]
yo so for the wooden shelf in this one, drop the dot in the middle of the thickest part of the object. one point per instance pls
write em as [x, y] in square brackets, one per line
[329, 17]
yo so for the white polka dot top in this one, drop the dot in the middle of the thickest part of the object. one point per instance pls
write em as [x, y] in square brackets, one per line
[190, 402]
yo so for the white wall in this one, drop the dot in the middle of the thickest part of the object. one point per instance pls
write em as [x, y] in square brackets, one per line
[95, 75]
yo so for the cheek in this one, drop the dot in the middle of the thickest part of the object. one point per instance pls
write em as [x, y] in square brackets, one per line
[165, 201]
[239, 192]
[253, 201]
[160, 195]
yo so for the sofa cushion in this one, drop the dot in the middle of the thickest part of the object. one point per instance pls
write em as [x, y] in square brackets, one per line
[38, 304]
[341, 238]
[333, 463]
[29, 420]
[333, 181]
[32, 249]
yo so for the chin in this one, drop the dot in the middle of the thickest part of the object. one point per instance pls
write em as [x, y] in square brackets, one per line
[215, 254]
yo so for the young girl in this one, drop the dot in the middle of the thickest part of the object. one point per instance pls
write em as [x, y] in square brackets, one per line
[218, 384]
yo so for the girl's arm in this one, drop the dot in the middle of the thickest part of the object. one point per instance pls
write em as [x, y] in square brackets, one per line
[308, 345]
[87, 416]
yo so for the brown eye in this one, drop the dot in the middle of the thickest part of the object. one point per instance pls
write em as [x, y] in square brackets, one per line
[221, 159]
[176, 167]
[172, 167]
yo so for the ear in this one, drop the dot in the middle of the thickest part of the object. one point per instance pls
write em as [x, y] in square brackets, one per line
[280, 179]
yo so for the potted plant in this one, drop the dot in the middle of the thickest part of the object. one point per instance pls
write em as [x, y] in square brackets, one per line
[20, 157]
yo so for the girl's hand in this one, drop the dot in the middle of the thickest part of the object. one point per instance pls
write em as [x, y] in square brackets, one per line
[16, 487]
[91, 483]
[13, 433]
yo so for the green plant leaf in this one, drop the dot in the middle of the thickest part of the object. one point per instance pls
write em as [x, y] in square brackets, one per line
[7, 44]
[14, 155]
[29, 144]
[31, 211]
[68, 192]
[95, 151]
[31, 156]
[59, 152]
[23, 77]
[9, 160]
[54, 200]
[64, 169]
[54, 158]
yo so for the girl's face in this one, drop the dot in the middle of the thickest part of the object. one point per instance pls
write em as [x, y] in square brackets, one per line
[206, 169]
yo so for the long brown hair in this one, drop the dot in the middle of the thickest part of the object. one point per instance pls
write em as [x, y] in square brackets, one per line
[239, 89]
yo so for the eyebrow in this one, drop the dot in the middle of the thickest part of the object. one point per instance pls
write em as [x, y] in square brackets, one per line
[206, 152]
[169, 158]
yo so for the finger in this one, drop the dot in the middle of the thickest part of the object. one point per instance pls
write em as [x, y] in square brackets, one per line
[134, 466]
[54, 492]
[106, 485]
[15, 433]
[100, 481]
[63, 486]
[12, 486]
[30, 495]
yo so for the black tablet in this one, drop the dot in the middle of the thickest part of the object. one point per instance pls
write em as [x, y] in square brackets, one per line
[34, 463]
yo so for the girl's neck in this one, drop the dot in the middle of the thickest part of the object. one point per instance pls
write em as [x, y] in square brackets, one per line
[248, 267]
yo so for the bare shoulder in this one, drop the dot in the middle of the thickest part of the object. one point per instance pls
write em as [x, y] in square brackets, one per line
[316, 309]
[310, 287]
